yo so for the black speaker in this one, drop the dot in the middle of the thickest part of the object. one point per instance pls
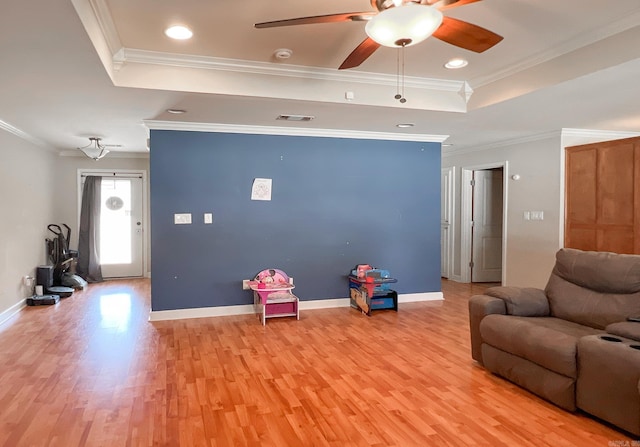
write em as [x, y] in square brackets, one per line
[44, 276]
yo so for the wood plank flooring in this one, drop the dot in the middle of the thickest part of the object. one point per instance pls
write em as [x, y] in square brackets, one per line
[93, 371]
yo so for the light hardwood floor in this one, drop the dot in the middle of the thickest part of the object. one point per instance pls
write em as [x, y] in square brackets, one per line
[93, 371]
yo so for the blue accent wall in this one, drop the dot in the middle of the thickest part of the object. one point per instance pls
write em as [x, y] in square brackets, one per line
[336, 203]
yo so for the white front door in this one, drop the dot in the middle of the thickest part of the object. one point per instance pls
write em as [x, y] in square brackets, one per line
[121, 221]
[121, 247]
[487, 226]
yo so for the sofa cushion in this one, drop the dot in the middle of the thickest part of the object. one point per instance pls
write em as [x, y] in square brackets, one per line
[574, 303]
[600, 271]
[547, 341]
[594, 288]
[522, 301]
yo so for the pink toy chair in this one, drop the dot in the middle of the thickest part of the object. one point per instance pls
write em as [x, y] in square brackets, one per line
[272, 295]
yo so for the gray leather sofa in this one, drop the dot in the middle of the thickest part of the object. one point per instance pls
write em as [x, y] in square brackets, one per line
[570, 343]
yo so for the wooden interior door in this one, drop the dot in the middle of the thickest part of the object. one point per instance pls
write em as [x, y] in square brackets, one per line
[602, 206]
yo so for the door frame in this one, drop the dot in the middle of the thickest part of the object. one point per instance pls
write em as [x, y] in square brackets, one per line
[145, 203]
[448, 201]
[466, 202]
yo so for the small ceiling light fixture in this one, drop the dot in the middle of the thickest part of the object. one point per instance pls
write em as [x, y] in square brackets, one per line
[295, 117]
[179, 32]
[405, 125]
[176, 111]
[403, 25]
[282, 54]
[95, 149]
[456, 62]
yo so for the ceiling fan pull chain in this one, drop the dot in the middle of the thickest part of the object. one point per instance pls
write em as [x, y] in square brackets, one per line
[398, 95]
[402, 98]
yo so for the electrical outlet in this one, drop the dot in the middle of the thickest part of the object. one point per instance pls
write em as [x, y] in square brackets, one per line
[26, 280]
[182, 219]
[245, 284]
[208, 218]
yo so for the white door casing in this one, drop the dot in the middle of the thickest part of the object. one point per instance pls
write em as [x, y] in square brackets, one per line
[446, 222]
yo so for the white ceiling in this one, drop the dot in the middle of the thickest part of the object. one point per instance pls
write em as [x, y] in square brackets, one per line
[70, 69]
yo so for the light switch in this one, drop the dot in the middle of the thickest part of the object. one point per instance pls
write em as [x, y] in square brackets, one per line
[182, 219]
[527, 215]
[537, 215]
[208, 218]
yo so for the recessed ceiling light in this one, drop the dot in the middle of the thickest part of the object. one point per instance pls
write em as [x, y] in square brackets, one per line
[295, 117]
[405, 125]
[456, 62]
[176, 111]
[179, 32]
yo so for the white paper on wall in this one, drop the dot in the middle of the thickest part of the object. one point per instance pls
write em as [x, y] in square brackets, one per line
[261, 189]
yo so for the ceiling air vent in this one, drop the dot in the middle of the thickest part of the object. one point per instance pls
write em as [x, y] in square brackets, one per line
[295, 117]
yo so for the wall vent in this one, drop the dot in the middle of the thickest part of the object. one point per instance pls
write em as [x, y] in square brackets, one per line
[295, 117]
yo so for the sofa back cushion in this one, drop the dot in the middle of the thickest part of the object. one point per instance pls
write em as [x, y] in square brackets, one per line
[594, 288]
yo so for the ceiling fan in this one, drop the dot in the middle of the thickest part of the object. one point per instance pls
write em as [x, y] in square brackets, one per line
[424, 16]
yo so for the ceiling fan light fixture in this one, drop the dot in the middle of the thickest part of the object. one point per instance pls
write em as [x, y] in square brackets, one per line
[404, 25]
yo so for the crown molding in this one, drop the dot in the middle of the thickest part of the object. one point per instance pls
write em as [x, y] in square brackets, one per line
[288, 131]
[607, 30]
[594, 133]
[111, 154]
[106, 24]
[451, 152]
[132, 55]
[21, 134]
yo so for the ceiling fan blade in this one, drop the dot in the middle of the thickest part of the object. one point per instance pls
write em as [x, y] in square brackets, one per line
[444, 5]
[466, 35]
[329, 18]
[360, 54]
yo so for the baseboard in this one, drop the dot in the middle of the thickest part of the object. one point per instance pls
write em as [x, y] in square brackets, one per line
[224, 311]
[324, 304]
[10, 312]
[416, 297]
[200, 312]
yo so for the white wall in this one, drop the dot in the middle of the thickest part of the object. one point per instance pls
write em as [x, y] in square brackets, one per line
[530, 245]
[27, 191]
[67, 188]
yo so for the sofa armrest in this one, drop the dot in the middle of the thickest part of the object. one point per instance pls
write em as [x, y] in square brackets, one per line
[627, 329]
[479, 307]
[522, 301]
